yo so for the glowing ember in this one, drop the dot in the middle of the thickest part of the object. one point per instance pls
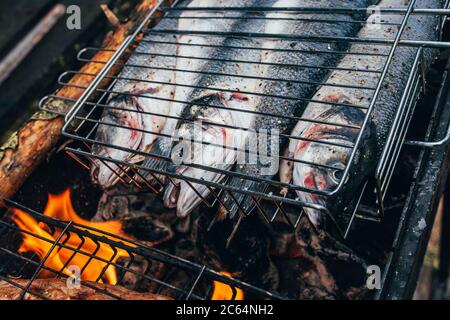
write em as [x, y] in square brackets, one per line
[223, 291]
[63, 259]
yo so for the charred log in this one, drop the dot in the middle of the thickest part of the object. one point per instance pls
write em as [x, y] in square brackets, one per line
[143, 216]
[318, 266]
[57, 289]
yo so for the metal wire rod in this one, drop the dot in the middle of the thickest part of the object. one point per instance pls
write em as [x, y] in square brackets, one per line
[43, 260]
[86, 49]
[213, 124]
[108, 91]
[136, 248]
[108, 106]
[302, 66]
[375, 97]
[99, 122]
[331, 10]
[279, 36]
[237, 75]
[312, 20]
[270, 196]
[264, 48]
[166, 173]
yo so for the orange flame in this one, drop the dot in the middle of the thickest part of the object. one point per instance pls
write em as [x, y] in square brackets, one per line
[223, 291]
[62, 259]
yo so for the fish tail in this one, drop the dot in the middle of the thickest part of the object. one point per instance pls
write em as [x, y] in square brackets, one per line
[240, 201]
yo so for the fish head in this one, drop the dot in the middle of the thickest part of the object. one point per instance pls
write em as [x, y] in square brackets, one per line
[204, 148]
[322, 159]
[118, 135]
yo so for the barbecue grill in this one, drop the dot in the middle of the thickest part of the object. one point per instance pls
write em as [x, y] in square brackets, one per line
[82, 120]
[400, 271]
[197, 283]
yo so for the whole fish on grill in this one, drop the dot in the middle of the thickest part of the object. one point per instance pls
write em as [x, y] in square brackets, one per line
[215, 125]
[300, 65]
[142, 104]
[185, 81]
[348, 111]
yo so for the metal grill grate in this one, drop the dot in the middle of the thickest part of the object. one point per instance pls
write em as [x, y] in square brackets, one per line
[196, 283]
[83, 120]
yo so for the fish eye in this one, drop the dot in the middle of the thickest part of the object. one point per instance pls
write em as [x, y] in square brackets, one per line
[180, 152]
[337, 176]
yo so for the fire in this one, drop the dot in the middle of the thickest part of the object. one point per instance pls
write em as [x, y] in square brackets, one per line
[223, 291]
[64, 259]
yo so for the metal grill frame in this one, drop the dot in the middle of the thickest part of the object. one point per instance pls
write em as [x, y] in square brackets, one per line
[430, 181]
[134, 249]
[386, 165]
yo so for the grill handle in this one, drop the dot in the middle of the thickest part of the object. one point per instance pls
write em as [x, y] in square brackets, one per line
[431, 144]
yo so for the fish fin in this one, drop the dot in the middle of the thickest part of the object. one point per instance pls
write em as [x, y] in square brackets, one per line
[246, 203]
[158, 162]
[158, 159]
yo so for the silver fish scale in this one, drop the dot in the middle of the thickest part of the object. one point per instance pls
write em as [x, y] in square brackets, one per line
[382, 117]
[223, 76]
[221, 95]
[150, 81]
[280, 106]
[224, 66]
[297, 88]
[149, 60]
[419, 28]
[156, 47]
[164, 144]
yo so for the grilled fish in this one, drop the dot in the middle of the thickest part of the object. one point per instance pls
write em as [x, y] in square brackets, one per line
[215, 125]
[349, 111]
[186, 81]
[142, 104]
[304, 64]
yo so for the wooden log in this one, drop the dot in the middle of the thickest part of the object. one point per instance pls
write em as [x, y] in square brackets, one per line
[57, 289]
[53, 54]
[14, 20]
[27, 147]
[24, 47]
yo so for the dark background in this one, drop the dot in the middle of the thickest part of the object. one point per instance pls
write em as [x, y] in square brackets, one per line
[36, 75]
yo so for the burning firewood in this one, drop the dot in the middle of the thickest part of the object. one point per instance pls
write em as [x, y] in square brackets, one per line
[150, 233]
[30, 145]
[143, 215]
[318, 266]
[57, 289]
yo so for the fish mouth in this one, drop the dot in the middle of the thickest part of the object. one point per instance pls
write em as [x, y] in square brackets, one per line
[180, 194]
[188, 198]
[107, 173]
[197, 161]
[315, 216]
[172, 191]
[104, 175]
[317, 179]
[171, 196]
